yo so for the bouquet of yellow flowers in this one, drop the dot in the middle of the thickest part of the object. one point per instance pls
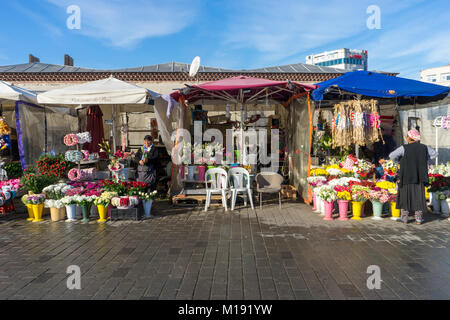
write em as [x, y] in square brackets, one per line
[318, 172]
[385, 185]
[344, 195]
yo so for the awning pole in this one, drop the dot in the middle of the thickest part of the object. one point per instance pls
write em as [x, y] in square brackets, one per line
[437, 144]
[114, 127]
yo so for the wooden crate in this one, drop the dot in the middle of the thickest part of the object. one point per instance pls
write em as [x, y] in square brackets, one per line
[289, 192]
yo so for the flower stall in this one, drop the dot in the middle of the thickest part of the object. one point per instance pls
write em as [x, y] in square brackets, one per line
[345, 187]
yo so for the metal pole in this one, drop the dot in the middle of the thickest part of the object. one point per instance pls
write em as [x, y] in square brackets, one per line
[114, 127]
[437, 144]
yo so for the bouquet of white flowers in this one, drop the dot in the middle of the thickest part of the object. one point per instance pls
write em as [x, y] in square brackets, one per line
[54, 204]
[69, 200]
[56, 191]
[144, 196]
[105, 198]
[327, 193]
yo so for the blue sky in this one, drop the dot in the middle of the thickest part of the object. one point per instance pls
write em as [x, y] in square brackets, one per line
[233, 34]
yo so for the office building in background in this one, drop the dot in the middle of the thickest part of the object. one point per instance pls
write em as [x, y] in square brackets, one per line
[438, 75]
[346, 59]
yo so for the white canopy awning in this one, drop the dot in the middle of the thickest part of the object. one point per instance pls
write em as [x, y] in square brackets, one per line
[109, 91]
[13, 93]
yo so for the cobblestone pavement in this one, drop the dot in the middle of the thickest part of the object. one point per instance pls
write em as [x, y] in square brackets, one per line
[185, 253]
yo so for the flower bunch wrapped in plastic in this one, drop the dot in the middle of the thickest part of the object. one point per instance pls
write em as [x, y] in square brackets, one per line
[327, 193]
[363, 168]
[56, 191]
[105, 198]
[389, 167]
[36, 199]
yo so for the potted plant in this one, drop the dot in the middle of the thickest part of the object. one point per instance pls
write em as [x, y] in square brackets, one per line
[328, 196]
[344, 196]
[147, 201]
[359, 195]
[378, 197]
[103, 203]
[29, 207]
[37, 204]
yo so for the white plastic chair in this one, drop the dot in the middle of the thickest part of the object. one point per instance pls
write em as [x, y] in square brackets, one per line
[240, 182]
[216, 180]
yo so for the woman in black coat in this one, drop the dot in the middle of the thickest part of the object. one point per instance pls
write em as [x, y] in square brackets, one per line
[413, 176]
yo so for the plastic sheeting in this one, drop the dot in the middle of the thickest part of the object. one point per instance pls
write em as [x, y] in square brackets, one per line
[423, 116]
[298, 144]
[40, 130]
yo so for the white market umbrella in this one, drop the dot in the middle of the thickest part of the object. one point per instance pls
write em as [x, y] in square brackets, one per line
[110, 91]
[13, 93]
[107, 91]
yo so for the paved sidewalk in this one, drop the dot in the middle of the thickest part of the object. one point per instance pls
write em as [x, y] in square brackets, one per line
[185, 253]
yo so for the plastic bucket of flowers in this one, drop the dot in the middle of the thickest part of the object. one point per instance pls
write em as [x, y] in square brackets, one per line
[103, 203]
[344, 197]
[57, 209]
[147, 201]
[328, 196]
[29, 207]
[360, 194]
[378, 197]
[37, 204]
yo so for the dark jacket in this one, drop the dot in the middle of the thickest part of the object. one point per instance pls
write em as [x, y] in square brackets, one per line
[151, 158]
[414, 164]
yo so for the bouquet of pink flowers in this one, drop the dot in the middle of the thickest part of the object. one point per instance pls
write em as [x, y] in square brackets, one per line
[14, 184]
[378, 194]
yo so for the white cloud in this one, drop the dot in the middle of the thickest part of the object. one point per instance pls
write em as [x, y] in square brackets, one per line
[278, 30]
[126, 23]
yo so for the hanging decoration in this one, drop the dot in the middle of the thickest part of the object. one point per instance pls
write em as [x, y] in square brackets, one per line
[356, 122]
[5, 131]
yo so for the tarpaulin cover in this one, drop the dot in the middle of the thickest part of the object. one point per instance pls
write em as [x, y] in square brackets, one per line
[105, 91]
[10, 92]
[40, 131]
[379, 85]
[233, 85]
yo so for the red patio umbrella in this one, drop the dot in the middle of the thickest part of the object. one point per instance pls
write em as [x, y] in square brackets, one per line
[95, 127]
